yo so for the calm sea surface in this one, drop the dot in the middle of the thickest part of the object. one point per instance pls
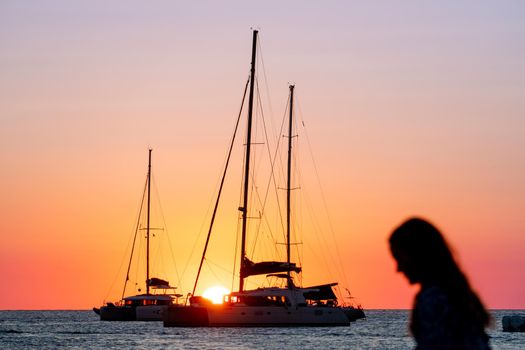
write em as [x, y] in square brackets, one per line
[83, 330]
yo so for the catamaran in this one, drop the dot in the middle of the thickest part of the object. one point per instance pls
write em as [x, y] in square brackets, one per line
[287, 306]
[159, 294]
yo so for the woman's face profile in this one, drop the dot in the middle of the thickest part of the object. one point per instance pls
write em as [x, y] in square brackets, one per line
[406, 265]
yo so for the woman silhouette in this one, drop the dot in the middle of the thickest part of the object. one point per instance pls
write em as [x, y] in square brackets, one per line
[447, 314]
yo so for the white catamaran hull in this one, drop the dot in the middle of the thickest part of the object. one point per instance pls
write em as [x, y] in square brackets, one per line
[150, 312]
[254, 316]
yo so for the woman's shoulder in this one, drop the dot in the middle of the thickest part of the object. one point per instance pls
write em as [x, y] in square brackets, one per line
[432, 302]
[431, 297]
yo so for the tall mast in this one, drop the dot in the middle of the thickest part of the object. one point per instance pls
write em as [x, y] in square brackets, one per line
[288, 187]
[244, 208]
[147, 224]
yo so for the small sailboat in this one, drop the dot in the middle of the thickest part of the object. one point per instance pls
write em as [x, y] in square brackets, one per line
[159, 294]
[269, 306]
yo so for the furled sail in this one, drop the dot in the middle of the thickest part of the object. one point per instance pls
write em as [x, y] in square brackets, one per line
[249, 268]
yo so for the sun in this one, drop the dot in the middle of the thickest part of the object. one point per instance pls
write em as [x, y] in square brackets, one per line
[215, 294]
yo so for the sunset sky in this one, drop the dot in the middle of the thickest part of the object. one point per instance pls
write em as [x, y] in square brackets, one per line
[411, 108]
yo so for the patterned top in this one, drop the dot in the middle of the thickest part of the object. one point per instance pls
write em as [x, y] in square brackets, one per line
[436, 324]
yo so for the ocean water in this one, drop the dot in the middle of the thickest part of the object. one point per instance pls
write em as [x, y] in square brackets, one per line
[382, 329]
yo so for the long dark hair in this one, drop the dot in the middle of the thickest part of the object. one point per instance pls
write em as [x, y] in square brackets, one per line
[432, 262]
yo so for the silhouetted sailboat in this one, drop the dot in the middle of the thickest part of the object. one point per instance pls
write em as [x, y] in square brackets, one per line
[159, 294]
[270, 306]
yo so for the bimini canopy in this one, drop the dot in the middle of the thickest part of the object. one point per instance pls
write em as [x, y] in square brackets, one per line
[249, 268]
[157, 282]
[322, 292]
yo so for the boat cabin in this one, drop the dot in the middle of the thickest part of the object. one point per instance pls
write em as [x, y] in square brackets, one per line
[150, 299]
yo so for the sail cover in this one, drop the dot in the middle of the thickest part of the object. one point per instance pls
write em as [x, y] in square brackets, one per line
[249, 268]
